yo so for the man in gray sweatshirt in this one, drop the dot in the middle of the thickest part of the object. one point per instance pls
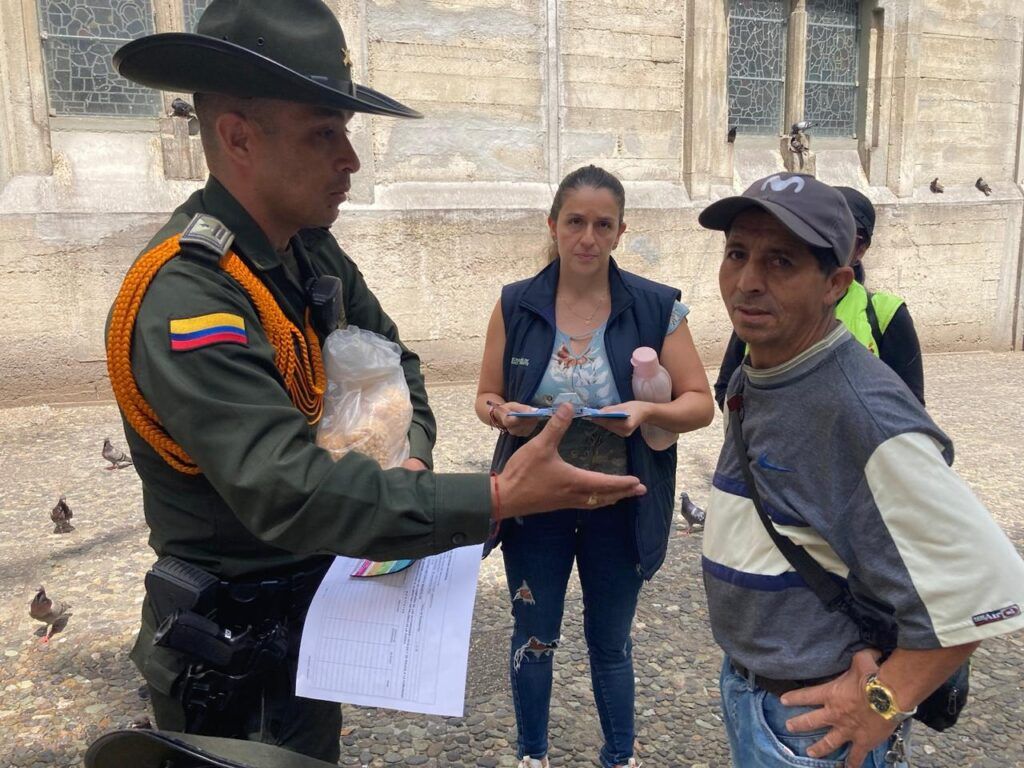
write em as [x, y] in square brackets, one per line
[848, 465]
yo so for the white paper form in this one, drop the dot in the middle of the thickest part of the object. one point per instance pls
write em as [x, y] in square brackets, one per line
[399, 641]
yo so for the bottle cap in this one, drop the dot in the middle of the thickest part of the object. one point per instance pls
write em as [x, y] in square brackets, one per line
[645, 362]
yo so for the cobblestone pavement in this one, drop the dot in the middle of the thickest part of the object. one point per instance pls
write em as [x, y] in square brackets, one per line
[54, 700]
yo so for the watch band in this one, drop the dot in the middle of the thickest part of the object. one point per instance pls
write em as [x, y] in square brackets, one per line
[882, 700]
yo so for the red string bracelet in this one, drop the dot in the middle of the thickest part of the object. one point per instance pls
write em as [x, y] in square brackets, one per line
[490, 415]
[496, 512]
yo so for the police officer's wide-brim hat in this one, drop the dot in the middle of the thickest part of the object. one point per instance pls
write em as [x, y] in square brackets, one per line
[292, 50]
[142, 748]
[811, 210]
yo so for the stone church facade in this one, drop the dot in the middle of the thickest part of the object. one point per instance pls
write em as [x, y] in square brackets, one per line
[516, 93]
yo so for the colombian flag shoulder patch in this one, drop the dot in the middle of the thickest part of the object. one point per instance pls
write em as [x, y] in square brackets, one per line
[189, 333]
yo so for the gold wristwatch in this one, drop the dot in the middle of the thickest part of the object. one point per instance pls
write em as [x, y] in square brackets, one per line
[883, 701]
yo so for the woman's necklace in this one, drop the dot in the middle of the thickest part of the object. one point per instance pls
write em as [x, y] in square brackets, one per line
[588, 319]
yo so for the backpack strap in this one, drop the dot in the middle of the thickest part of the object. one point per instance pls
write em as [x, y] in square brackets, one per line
[875, 631]
[876, 330]
[817, 578]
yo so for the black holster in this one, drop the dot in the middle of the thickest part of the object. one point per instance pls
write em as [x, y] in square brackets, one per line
[233, 635]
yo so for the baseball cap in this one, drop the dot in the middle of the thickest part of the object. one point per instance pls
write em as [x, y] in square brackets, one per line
[862, 209]
[814, 212]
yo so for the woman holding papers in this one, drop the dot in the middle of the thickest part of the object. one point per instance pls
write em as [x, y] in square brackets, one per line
[568, 333]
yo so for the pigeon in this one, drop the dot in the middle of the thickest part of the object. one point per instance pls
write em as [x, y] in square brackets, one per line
[118, 459]
[731, 136]
[800, 127]
[983, 186]
[181, 108]
[936, 187]
[61, 516]
[692, 514]
[53, 613]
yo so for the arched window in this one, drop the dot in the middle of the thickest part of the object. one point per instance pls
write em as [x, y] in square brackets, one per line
[79, 39]
[833, 57]
[757, 65]
[766, 52]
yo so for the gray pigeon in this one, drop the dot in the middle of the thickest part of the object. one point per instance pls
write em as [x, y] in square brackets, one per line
[118, 459]
[731, 136]
[692, 514]
[181, 108]
[61, 516]
[53, 613]
[800, 127]
[983, 186]
[936, 187]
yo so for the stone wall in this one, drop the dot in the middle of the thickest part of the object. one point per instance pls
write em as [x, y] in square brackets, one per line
[516, 93]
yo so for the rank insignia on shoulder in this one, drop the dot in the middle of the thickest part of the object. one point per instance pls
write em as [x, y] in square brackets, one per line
[189, 333]
[207, 232]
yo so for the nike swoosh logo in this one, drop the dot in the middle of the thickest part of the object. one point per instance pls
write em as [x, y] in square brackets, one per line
[762, 461]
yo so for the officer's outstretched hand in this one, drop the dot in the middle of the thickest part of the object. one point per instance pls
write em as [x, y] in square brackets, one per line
[535, 479]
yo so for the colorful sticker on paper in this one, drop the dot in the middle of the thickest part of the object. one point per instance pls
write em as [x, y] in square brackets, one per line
[368, 568]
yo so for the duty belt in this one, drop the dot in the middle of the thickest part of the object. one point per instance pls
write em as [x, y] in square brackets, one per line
[281, 598]
[777, 687]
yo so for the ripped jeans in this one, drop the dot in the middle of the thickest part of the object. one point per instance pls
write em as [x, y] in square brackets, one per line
[539, 553]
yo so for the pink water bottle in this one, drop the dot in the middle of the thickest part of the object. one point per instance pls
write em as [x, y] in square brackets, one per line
[652, 384]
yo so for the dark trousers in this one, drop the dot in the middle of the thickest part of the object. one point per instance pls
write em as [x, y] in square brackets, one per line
[277, 716]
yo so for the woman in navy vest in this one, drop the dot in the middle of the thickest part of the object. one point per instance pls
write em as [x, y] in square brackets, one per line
[568, 333]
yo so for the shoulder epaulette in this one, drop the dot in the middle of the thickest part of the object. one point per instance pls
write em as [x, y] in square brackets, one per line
[208, 235]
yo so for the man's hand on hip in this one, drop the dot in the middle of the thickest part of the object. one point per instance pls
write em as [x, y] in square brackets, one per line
[843, 706]
[535, 479]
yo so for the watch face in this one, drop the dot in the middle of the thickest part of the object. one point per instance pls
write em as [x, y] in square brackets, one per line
[879, 700]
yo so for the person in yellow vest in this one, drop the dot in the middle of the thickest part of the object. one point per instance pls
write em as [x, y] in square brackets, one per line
[878, 320]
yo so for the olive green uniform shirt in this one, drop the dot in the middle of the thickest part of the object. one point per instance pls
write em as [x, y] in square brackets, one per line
[268, 498]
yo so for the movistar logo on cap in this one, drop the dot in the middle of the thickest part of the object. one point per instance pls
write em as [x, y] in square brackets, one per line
[779, 184]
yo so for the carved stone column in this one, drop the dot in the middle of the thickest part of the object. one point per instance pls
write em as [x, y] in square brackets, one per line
[796, 58]
[24, 120]
[707, 157]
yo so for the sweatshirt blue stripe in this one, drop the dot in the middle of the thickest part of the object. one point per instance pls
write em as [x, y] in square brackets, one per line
[758, 581]
[739, 488]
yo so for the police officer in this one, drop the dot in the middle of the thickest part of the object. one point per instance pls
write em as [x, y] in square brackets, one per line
[213, 348]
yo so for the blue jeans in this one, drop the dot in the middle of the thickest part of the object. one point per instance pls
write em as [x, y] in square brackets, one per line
[755, 721]
[539, 552]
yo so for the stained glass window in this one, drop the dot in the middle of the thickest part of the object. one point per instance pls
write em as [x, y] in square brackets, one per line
[192, 10]
[833, 47]
[757, 65]
[79, 39]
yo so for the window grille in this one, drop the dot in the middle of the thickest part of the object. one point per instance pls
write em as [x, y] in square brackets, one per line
[760, 61]
[833, 57]
[79, 39]
[757, 65]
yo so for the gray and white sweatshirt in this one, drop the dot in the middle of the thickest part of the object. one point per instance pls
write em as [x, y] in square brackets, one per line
[851, 467]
